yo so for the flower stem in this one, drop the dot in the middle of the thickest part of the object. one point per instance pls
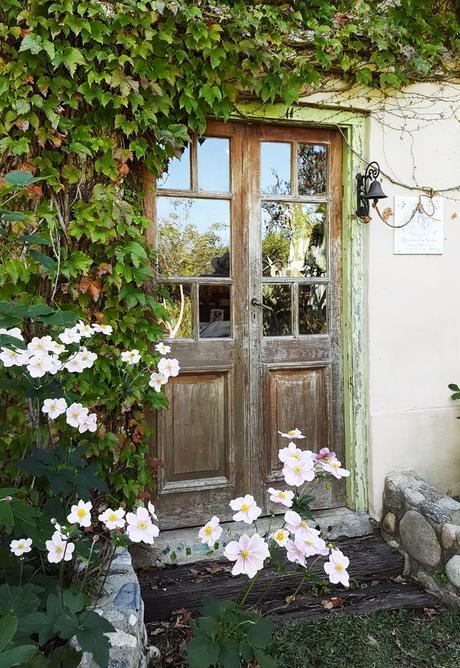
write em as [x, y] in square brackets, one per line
[248, 590]
[87, 567]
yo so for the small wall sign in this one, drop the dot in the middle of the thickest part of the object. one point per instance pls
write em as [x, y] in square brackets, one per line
[424, 233]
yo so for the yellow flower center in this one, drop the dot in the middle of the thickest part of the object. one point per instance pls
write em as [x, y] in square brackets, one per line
[297, 469]
[244, 553]
[303, 524]
[292, 432]
[21, 546]
[296, 455]
[245, 507]
[113, 517]
[208, 531]
[335, 465]
[282, 495]
[280, 535]
[339, 567]
[142, 524]
[59, 549]
[82, 512]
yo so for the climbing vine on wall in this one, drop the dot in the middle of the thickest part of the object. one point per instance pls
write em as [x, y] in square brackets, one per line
[91, 91]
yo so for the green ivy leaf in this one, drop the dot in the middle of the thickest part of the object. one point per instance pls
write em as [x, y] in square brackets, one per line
[202, 652]
[8, 626]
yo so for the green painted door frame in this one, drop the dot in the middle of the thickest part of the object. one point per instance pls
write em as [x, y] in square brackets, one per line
[352, 125]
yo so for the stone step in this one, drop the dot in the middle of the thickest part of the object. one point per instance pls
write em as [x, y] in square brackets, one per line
[170, 588]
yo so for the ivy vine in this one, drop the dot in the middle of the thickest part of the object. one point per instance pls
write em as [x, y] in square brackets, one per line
[91, 91]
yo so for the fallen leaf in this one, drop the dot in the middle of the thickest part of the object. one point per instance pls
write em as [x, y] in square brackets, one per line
[330, 603]
[454, 215]
[104, 268]
[386, 213]
[290, 599]
[372, 642]
[194, 572]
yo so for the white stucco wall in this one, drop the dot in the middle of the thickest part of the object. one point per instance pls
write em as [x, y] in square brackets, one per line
[413, 301]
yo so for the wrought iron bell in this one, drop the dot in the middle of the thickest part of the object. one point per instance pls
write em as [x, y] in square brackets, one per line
[375, 191]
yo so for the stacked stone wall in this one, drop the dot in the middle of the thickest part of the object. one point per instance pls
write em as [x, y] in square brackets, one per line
[425, 525]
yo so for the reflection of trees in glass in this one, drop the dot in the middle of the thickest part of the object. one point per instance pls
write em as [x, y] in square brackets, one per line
[312, 169]
[180, 313]
[294, 239]
[277, 321]
[312, 309]
[183, 249]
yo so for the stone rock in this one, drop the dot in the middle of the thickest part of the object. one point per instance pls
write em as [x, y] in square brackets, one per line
[434, 513]
[129, 596]
[451, 507]
[453, 570]
[389, 522]
[427, 581]
[449, 534]
[412, 497]
[419, 538]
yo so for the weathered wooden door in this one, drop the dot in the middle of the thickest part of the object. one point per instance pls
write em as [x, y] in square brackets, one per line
[248, 227]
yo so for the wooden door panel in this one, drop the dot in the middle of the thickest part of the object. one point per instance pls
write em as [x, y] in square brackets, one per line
[297, 397]
[197, 425]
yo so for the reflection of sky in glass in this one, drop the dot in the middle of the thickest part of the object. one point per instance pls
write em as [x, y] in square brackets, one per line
[213, 164]
[178, 174]
[275, 168]
[193, 236]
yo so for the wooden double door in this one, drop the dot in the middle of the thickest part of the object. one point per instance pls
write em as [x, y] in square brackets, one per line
[248, 231]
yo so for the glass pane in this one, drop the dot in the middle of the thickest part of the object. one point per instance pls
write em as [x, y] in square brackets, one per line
[294, 239]
[312, 309]
[214, 164]
[177, 176]
[275, 168]
[277, 320]
[214, 311]
[180, 312]
[193, 236]
[312, 169]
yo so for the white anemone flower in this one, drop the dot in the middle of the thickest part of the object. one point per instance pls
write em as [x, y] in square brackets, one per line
[14, 357]
[281, 537]
[15, 332]
[103, 329]
[54, 407]
[295, 524]
[131, 357]
[21, 546]
[296, 472]
[169, 366]
[336, 568]
[210, 532]
[40, 345]
[80, 514]
[293, 434]
[282, 496]
[247, 509]
[70, 335]
[311, 543]
[249, 554]
[86, 357]
[56, 348]
[59, 549]
[291, 451]
[140, 528]
[56, 364]
[84, 330]
[157, 380]
[113, 519]
[88, 423]
[75, 414]
[335, 467]
[162, 348]
[151, 509]
[295, 554]
[39, 365]
[75, 364]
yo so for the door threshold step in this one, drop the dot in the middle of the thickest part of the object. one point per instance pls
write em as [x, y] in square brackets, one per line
[165, 589]
[182, 546]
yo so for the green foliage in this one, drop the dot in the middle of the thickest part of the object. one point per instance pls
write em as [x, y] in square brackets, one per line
[226, 635]
[455, 389]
